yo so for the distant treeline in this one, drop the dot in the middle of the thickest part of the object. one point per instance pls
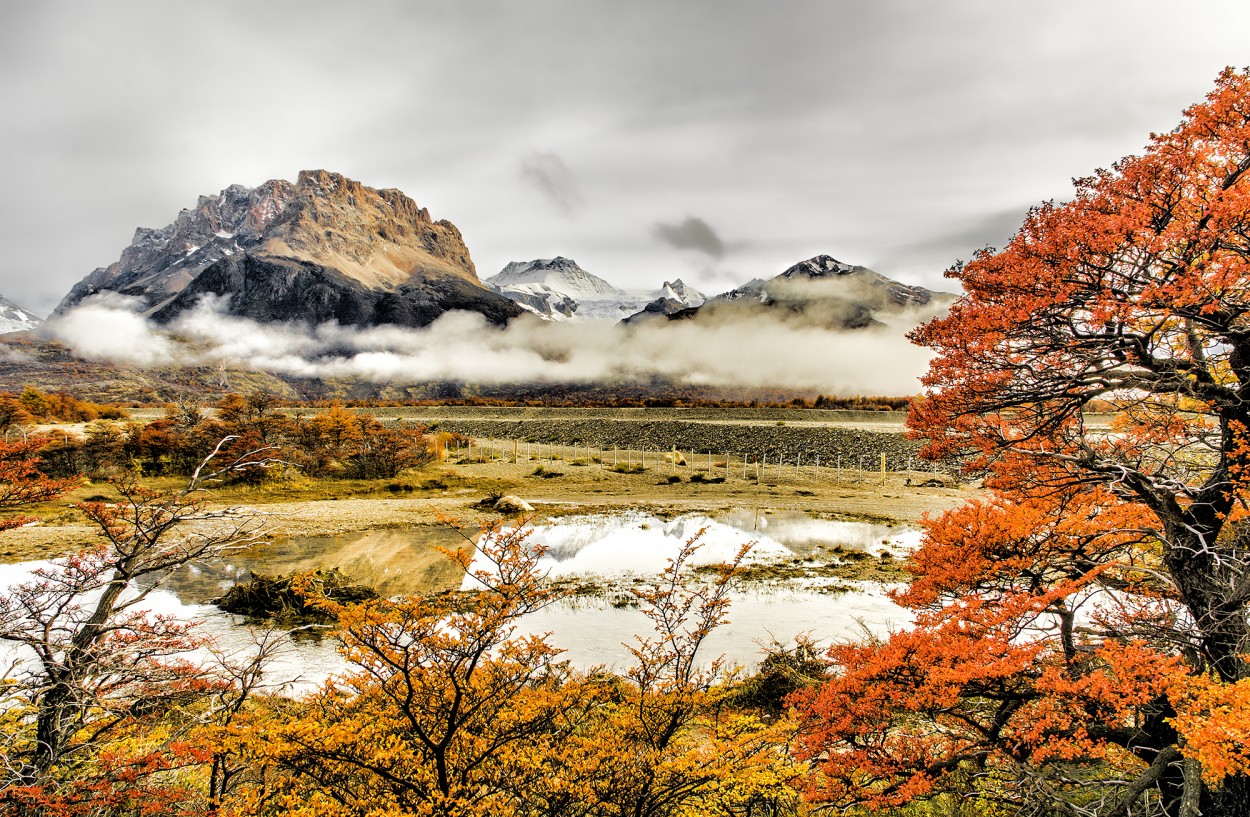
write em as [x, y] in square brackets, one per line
[34, 406]
[331, 443]
[596, 400]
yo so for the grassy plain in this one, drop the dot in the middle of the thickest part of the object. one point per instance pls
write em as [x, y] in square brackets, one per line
[556, 481]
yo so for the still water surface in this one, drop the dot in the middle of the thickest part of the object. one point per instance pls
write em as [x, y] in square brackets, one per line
[613, 552]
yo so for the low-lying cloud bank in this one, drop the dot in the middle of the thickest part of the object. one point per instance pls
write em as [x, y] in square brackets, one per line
[461, 347]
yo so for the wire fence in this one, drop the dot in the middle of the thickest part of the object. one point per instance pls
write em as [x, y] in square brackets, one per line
[705, 465]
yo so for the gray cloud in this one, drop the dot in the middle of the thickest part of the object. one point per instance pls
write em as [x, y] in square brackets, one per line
[845, 128]
[552, 176]
[691, 234]
[959, 242]
[460, 346]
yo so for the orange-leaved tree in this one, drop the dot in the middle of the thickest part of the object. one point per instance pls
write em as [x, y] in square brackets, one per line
[442, 696]
[21, 481]
[1081, 633]
[90, 674]
[449, 709]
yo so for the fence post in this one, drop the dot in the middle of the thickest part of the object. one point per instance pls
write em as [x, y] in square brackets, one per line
[883, 468]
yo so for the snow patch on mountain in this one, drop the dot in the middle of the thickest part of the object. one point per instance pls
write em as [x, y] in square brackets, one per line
[15, 319]
[557, 274]
[680, 292]
[559, 289]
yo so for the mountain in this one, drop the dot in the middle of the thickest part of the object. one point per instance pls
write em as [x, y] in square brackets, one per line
[325, 248]
[680, 292]
[821, 291]
[15, 319]
[559, 289]
[558, 274]
[675, 300]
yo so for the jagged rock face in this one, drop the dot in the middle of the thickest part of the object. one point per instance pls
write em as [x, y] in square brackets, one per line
[160, 263]
[15, 319]
[348, 248]
[376, 237]
[273, 290]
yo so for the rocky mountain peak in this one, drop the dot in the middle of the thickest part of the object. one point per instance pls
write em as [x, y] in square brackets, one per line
[559, 274]
[820, 266]
[378, 240]
[378, 237]
[680, 291]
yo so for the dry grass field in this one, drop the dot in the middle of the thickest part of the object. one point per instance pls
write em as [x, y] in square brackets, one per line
[569, 478]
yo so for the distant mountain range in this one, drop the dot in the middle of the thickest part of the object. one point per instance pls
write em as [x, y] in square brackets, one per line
[558, 289]
[327, 249]
[823, 291]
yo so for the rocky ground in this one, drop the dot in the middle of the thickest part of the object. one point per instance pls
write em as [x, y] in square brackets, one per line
[795, 437]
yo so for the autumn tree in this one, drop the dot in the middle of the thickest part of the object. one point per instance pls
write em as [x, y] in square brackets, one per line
[22, 482]
[1082, 632]
[663, 740]
[450, 709]
[91, 667]
[443, 696]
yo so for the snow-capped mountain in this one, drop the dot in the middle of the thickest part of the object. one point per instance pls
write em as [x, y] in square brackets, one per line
[15, 319]
[680, 292]
[821, 291]
[557, 274]
[558, 289]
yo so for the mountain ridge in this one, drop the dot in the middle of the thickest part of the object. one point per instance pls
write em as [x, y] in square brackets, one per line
[559, 289]
[324, 248]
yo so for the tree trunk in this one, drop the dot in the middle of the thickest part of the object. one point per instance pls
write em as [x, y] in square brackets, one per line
[1231, 799]
[1207, 577]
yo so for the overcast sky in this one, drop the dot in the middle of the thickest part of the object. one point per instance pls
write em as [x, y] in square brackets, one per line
[712, 141]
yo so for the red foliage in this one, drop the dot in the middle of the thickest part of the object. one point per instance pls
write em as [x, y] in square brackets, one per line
[1077, 631]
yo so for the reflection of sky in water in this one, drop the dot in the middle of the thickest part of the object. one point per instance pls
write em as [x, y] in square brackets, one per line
[300, 663]
[592, 631]
[641, 544]
[796, 530]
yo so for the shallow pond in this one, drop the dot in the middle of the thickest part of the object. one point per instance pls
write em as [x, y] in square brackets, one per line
[607, 553]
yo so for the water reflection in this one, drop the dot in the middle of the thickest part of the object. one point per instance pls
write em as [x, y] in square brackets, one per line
[393, 562]
[624, 549]
[614, 552]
